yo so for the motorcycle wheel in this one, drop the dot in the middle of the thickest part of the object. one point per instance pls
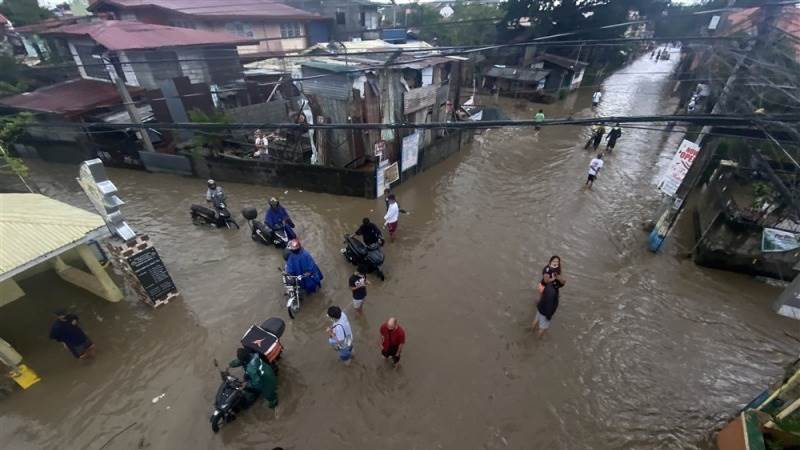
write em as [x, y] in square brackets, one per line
[291, 312]
[216, 421]
[293, 308]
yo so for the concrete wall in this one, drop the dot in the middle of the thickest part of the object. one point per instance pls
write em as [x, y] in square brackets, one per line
[330, 180]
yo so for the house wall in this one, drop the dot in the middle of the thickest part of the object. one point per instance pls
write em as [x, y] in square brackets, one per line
[245, 28]
[215, 65]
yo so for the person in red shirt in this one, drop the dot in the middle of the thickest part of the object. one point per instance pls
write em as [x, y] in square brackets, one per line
[393, 338]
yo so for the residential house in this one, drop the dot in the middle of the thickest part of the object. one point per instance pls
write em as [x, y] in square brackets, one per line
[273, 26]
[31, 40]
[565, 73]
[515, 81]
[146, 55]
[352, 19]
[78, 101]
[361, 90]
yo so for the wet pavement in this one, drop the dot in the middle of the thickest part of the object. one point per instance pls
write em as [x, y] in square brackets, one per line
[646, 351]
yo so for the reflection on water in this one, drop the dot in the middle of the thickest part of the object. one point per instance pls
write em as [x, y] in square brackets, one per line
[646, 351]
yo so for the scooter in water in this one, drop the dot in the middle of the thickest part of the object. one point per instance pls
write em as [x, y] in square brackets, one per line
[293, 291]
[359, 253]
[231, 398]
[262, 233]
[219, 216]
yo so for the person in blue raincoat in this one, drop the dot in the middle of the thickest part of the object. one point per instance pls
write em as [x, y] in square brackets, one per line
[300, 262]
[276, 215]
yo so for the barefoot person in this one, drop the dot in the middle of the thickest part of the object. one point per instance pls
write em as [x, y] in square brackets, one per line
[393, 338]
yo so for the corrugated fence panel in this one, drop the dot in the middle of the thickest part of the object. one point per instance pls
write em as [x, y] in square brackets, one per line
[338, 87]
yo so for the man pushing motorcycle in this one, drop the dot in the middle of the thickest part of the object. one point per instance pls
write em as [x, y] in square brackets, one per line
[259, 377]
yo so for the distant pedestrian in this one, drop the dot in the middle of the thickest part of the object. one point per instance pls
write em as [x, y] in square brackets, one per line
[612, 137]
[594, 167]
[658, 55]
[597, 136]
[393, 338]
[392, 216]
[358, 286]
[596, 97]
[67, 330]
[340, 335]
[552, 280]
[538, 118]
[652, 54]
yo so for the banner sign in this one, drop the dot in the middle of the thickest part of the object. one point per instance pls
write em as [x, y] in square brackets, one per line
[773, 240]
[411, 150]
[391, 174]
[679, 167]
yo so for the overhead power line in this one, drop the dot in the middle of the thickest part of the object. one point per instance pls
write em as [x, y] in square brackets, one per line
[699, 119]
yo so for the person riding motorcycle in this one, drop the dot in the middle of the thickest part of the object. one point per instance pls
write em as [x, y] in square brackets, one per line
[300, 262]
[277, 215]
[259, 377]
[214, 194]
[370, 232]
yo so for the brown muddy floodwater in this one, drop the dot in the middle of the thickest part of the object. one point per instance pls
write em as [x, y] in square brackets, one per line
[646, 351]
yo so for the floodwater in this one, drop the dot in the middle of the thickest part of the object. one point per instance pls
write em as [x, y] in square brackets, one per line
[646, 351]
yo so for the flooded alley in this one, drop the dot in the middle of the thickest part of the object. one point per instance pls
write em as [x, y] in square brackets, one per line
[646, 352]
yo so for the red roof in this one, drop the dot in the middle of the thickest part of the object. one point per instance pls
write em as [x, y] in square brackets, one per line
[218, 9]
[124, 35]
[70, 98]
[746, 20]
[48, 24]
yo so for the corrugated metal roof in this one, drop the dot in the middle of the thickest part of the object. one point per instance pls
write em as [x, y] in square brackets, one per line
[35, 228]
[518, 74]
[70, 98]
[125, 35]
[217, 9]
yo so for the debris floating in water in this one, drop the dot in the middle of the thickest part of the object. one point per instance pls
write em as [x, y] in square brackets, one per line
[156, 399]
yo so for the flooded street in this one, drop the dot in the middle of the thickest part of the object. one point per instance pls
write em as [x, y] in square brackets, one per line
[646, 351]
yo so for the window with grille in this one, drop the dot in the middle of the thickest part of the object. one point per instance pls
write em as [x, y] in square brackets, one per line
[291, 30]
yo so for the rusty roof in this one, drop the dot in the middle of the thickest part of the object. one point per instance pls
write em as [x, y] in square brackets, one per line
[125, 35]
[567, 63]
[216, 9]
[70, 98]
[747, 19]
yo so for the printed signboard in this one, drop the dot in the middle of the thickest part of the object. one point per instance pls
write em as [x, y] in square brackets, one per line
[679, 167]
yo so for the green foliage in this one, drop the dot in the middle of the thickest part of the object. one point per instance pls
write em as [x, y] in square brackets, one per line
[11, 128]
[24, 12]
[213, 141]
[476, 29]
[13, 79]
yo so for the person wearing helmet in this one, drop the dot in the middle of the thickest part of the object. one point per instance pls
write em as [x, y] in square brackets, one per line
[214, 193]
[300, 262]
[259, 377]
[277, 215]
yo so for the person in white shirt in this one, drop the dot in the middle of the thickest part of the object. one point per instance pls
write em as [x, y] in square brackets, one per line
[596, 97]
[594, 167]
[340, 335]
[262, 144]
[392, 216]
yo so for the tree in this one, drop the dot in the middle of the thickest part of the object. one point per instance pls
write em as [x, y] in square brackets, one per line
[11, 128]
[24, 12]
[470, 24]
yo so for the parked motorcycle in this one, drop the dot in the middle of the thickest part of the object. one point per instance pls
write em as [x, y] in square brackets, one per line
[260, 232]
[293, 291]
[231, 399]
[359, 253]
[219, 216]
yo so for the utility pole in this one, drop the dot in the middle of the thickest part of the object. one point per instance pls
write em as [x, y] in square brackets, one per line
[127, 101]
[670, 215]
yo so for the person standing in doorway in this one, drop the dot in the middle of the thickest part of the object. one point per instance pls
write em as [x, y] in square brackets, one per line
[538, 118]
[340, 335]
[393, 338]
[67, 330]
[358, 286]
[392, 216]
[594, 167]
[612, 137]
[596, 97]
